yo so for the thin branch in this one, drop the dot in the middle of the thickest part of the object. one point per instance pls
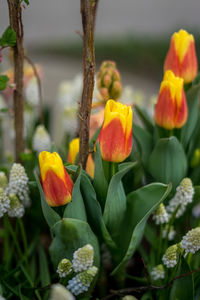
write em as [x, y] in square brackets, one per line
[15, 17]
[88, 13]
[126, 291]
[146, 272]
[39, 84]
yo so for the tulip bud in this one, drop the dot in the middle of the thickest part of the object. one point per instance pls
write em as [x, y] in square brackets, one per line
[56, 182]
[181, 57]
[171, 108]
[73, 152]
[109, 81]
[115, 137]
[59, 292]
[195, 161]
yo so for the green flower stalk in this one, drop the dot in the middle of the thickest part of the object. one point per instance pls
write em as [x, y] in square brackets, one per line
[109, 81]
[82, 281]
[64, 267]
[158, 272]
[191, 241]
[59, 292]
[83, 258]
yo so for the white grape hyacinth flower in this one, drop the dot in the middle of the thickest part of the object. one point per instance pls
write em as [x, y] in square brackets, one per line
[184, 196]
[158, 272]
[191, 241]
[170, 258]
[160, 215]
[83, 258]
[64, 267]
[4, 203]
[41, 139]
[16, 209]
[82, 281]
[59, 292]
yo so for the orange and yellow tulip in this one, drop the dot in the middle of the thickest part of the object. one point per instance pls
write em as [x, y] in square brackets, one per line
[74, 150]
[56, 182]
[171, 108]
[115, 138]
[181, 57]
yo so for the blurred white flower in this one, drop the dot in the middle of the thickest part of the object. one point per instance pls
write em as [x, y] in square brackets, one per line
[191, 241]
[59, 292]
[31, 92]
[41, 139]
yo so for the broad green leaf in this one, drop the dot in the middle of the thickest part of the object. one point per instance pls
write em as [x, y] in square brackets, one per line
[43, 265]
[140, 205]
[50, 215]
[100, 183]
[168, 162]
[76, 209]
[192, 99]
[183, 288]
[3, 82]
[69, 235]
[94, 211]
[144, 141]
[144, 117]
[115, 205]
[8, 38]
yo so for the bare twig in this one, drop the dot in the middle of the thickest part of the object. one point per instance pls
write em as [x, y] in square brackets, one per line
[146, 272]
[88, 12]
[39, 87]
[15, 16]
[126, 291]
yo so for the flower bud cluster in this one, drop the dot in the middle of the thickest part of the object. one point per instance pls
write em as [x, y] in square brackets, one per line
[109, 81]
[82, 264]
[170, 258]
[191, 241]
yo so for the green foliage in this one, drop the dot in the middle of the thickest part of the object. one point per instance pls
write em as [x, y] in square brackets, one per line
[167, 162]
[3, 82]
[8, 38]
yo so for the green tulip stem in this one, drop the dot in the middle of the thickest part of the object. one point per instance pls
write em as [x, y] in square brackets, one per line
[189, 258]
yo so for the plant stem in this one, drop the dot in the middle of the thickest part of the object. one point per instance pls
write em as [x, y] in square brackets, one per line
[88, 13]
[24, 239]
[15, 16]
[6, 241]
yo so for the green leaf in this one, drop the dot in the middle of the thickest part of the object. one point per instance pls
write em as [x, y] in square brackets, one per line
[168, 162]
[8, 38]
[76, 209]
[3, 82]
[43, 265]
[144, 117]
[183, 288]
[50, 215]
[94, 211]
[192, 100]
[100, 183]
[115, 205]
[71, 234]
[144, 141]
[140, 205]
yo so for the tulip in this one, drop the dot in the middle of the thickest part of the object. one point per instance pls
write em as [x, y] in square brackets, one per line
[115, 138]
[56, 182]
[181, 57]
[171, 108]
[72, 154]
